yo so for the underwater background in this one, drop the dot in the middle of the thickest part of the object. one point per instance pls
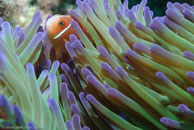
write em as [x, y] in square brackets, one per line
[100, 65]
[10, 9]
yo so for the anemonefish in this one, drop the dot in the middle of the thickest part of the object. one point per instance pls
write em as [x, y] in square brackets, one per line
[58, 28]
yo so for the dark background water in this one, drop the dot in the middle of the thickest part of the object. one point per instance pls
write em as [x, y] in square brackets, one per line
[159, 6]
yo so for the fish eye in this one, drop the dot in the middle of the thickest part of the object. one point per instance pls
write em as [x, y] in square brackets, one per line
[61, 23]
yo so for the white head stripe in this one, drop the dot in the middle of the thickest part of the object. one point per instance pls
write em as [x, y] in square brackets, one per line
[64, 30]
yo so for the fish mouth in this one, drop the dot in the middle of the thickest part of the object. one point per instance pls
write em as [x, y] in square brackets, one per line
[62, 32]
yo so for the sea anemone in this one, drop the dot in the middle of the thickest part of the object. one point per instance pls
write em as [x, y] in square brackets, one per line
[148, 60]
[128, 71]
[18, 47]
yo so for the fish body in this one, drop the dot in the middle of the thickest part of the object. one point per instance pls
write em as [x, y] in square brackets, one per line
[54, 26]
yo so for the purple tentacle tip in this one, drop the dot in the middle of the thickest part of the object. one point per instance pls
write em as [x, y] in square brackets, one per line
[188, 55]
[147, 15]
[189, 14]
[71, 98]
[81, 96]
[107, 86]
[86, 72]
[74, 24]
[171, 13]
[102, 50]
[65, 67]
[190, 75]
[161, 76]
[69, 125]
[86, 7]
[118, 25]
[76, 122]
[170, 123]
[157, 25]
[31, 126]
[142, 48]
[190, 90]
[52, 77]
[63, 88]
[6, 106]
[93, 3]
[156, 49]
[86, 128]
[51, 102]
[119, 14]
[120, 71]
[77, 45]
[72, 37]
[113, 32]
[107, 7]
[184, 109]
[131, 53]
[90, 98]
[19, 119]
[72, 12]
[78, 2]
[106, 67]
[131, 16]
[56, 63]
[92, 79]
[139, 25]
[75, 109]
[112, 92]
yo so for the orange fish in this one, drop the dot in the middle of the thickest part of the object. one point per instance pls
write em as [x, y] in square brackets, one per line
[58, 29]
